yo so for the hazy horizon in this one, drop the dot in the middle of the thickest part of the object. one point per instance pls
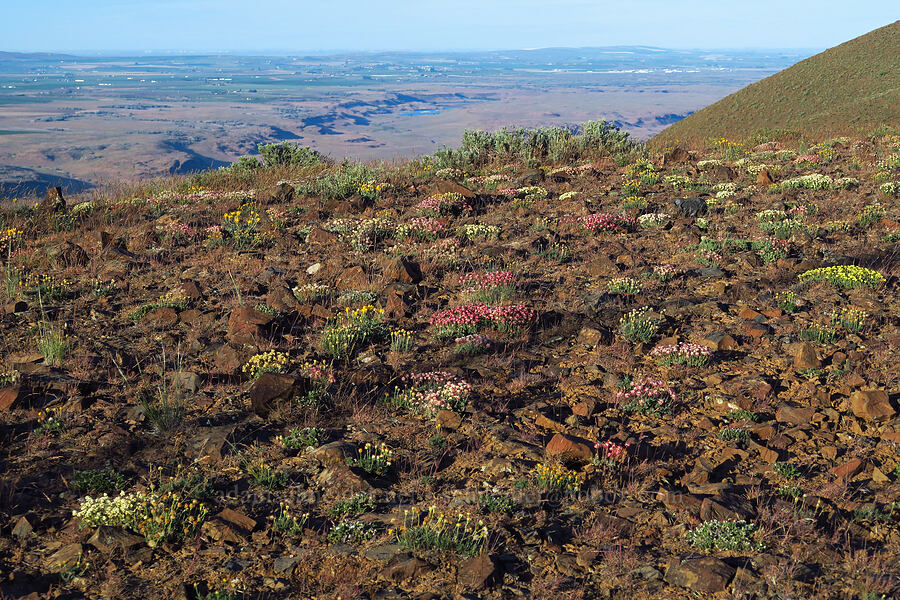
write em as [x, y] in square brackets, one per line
[126, 27]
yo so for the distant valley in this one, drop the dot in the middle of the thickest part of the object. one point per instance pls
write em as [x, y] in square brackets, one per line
[79, 121]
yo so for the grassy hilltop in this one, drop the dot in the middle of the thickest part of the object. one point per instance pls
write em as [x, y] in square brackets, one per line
[541, 365]
[850, 89]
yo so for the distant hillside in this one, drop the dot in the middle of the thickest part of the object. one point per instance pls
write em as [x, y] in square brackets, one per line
[849, 89]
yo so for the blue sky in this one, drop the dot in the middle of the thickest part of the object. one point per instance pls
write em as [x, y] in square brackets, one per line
[370, 25]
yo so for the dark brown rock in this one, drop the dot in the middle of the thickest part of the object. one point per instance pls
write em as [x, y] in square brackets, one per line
[238, 519]
[246, 325]
[404, 270]
[676, 155]
[706, 575]
[352, 278]
[162, 317]
[448, 420]
[805, 357]
[22, 529]
[268, 389]
[319, 236]
[764, 178]
[796, 415]
[8, 396]
[404, 567]
[106, 539]
[445, 186]
[68, 254]
[477, 572]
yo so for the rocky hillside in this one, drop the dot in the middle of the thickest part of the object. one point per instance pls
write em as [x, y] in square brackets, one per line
[625, 376]
[850, 89]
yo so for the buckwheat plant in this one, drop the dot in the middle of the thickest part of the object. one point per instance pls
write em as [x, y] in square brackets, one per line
[450, 203]
[724, 535]
[267, 362]
[489, 287]
[851, 319]
[401, 340]
[352, 328]
[692, 355]
[612, 456]
[472, 344]
[626, 286]
[479, 231]
[606, 222]
[647, 396]
[844, 276]
[428, 393]
[287, 523]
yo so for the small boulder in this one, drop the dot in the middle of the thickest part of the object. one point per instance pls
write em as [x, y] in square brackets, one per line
[246, 324]
[805, 357]
[569, 448]
[269, 388]
[706, 575]
[691, 207]
[404, 270]
[352, 278]
[871, 405]
[477, 572]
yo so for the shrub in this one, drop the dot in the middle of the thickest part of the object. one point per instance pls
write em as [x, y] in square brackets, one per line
[724, 535]
[285, 154]
[534, 146]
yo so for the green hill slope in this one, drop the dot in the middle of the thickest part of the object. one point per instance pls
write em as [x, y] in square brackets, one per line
[849, 89]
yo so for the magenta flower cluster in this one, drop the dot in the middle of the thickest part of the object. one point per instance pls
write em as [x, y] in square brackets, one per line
[684, 353]
[469, 318]
[444, 204]
[611, 454]
[808, 158]
[647, 396]
[428, 393]
[489, 280]
[601, 222]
